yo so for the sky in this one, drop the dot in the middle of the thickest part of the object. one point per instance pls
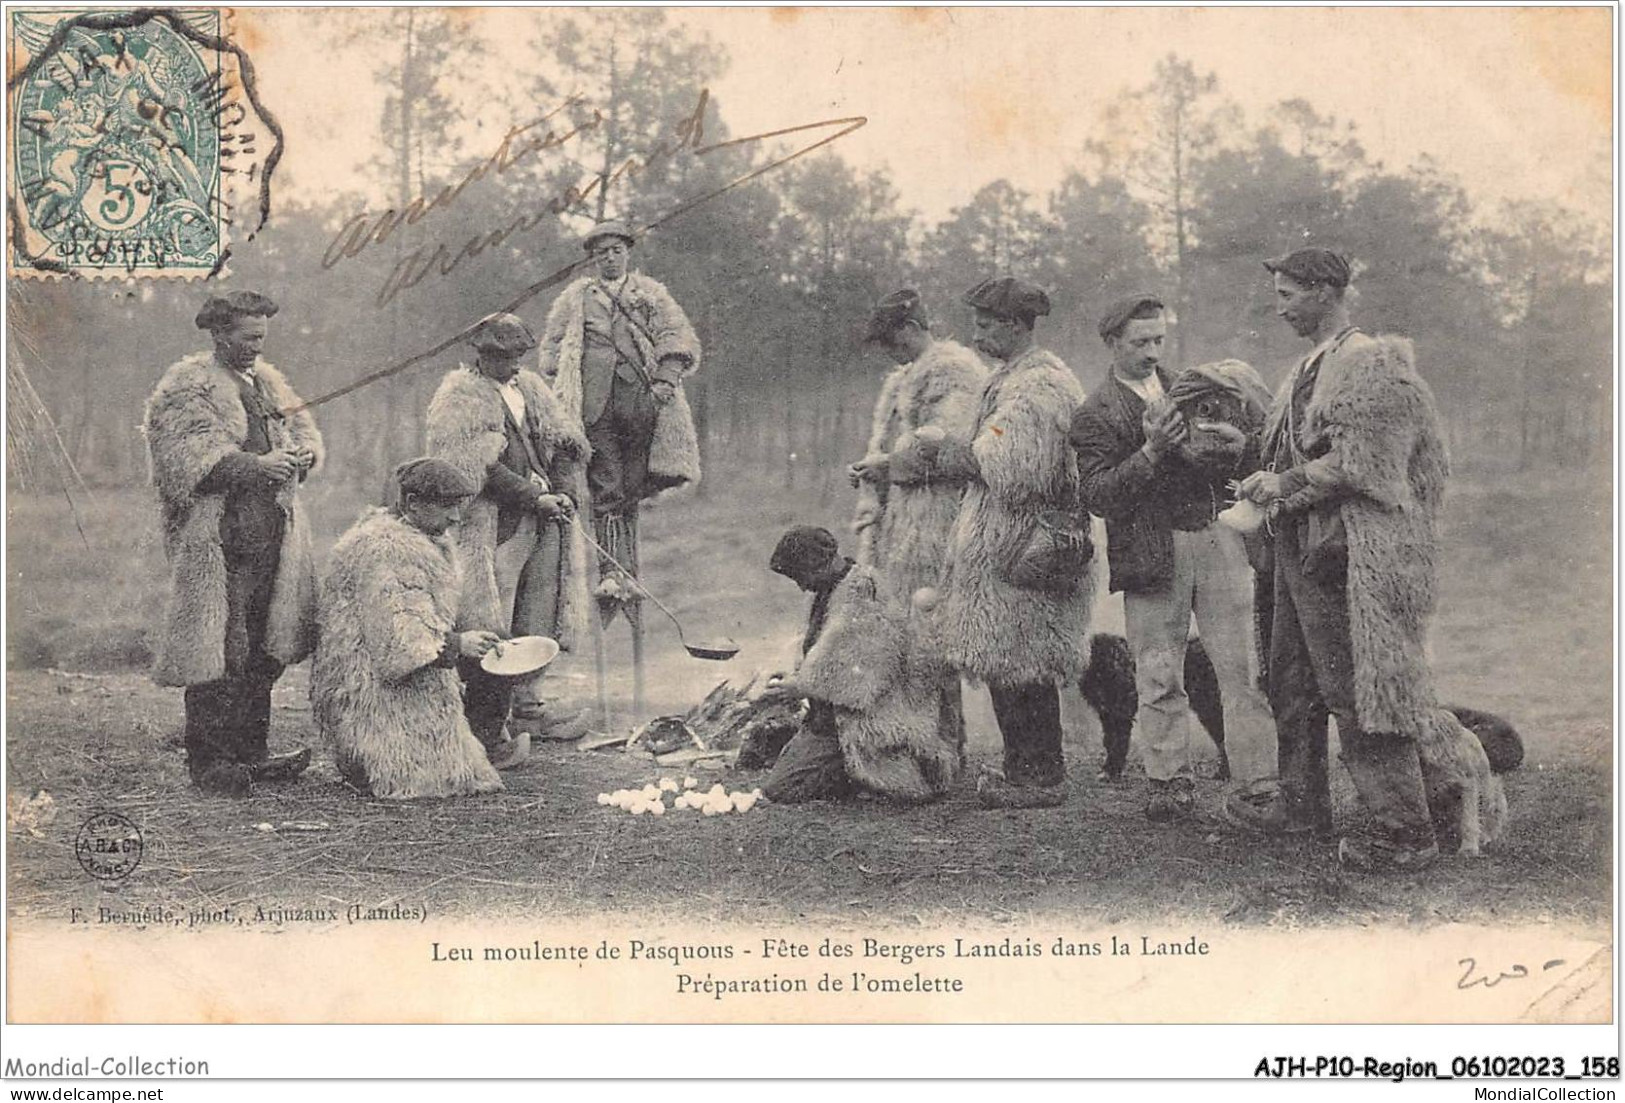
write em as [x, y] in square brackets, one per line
[1516, 103]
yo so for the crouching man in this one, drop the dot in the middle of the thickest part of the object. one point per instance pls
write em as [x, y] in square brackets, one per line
[872, 689]
[384, 685]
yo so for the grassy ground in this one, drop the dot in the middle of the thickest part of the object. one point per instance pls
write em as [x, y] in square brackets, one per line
[1524, 629]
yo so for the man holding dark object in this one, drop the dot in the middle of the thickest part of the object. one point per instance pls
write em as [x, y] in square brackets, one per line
[524, 560]
[1018, 586]
[1355, 478]
[228, 461]
[1159, 479]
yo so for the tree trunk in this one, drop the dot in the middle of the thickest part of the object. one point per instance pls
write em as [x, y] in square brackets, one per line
[612, 132]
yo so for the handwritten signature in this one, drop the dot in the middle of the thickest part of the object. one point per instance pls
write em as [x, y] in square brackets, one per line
[518, 144]
[1517, 972]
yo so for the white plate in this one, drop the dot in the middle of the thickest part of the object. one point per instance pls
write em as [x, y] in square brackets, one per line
[521, 655]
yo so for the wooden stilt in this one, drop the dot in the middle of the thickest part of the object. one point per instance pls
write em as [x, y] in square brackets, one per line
[600, 669]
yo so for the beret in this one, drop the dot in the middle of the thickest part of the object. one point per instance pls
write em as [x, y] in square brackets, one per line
[613, 227]
[428, 477]
[221, 310]
[893, 312]
[1009, 297]
[1313, 266]
[1118, 314]
[803, 549]
[502, 333]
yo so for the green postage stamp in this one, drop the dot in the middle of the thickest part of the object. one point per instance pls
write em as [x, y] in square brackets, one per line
[126, 127]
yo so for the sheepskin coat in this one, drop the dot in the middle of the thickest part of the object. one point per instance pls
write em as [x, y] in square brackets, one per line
[466, 427]
[193, 420]
[394, 716]
[993, 630]
[1386, 470]
[884, 681]
[661, 329]
[902, 526]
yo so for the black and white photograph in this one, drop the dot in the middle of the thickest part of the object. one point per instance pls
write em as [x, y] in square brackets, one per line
[811, 516]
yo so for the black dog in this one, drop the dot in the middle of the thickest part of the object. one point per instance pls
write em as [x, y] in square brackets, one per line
[1108, 685]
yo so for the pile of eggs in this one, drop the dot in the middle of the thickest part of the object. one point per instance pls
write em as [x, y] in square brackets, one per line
[651, 799]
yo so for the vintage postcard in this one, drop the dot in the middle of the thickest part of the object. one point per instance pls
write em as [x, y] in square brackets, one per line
[803, 515]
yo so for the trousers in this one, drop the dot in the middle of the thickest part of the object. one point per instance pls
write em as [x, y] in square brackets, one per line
[811, 767]
[1029, 719]
[229, 719]
[1311, 676]
[618, 472]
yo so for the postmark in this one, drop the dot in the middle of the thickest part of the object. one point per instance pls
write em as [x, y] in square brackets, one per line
[131, 133]
[108, 846]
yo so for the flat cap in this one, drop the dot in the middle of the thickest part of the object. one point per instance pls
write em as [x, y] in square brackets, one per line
[802, 550]
[502, 333]
[1009, 297]
[427, 477]
[221, 310]
[1313, 266]
[893, 312]
[613, 227]
[1119, 313]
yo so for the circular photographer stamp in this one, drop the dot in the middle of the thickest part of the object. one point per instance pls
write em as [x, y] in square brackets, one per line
[108, 846]
[117, 148]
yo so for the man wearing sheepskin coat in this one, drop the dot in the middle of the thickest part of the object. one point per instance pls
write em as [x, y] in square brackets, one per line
[1019, 579]
[1355, 478]
[228, 454]
[913, 475]
[872, 685]
[524, 559]
[383, 686]
[616, 348]
[1168, 554]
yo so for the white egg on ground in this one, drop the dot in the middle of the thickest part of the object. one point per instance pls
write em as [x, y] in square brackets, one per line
[744, 802]
[638, 809]
[709, 810]
[604, 798]
[657, 809]
[667, 785]
[650, 792]
[689, 783]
